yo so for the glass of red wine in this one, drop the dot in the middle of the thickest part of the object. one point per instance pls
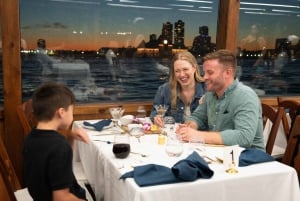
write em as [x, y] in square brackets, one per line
[121, 146]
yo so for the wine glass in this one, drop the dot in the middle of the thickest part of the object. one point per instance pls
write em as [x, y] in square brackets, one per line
[141, 112]
[136, 132]
[161, 110]
[116, 113]
[121, 146]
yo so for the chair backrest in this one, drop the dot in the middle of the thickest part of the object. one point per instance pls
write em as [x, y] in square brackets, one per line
[10, 171]
[9, 180]
[26, 116]
[275, 117]
[292, 107]
[6, 191]
[293, 146]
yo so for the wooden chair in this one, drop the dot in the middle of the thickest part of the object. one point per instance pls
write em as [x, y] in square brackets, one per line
[292, 107]
[293, 141]
[275, 117]
[10, 171]
[292, 153]
[6, 192]
[26, 116]
[10, 179]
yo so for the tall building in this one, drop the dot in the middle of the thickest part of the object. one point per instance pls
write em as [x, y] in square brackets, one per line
[202, 42]
[153, 42]
[166, 40]
[167, 33]
[179, 35]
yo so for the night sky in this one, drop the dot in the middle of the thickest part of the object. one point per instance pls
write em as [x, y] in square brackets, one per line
[92, 24]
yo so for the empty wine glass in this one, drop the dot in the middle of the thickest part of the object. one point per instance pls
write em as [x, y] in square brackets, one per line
[141, 112]
[116, 113]
[137, 132]
[161, 110]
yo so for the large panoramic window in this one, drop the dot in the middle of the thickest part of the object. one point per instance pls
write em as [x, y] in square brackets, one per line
[111, 50]
[268, 46]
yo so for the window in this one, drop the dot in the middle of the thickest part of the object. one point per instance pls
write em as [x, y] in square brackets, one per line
[111, 50]
[269, 47]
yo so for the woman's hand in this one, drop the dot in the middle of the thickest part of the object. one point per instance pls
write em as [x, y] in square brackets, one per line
[158, 121]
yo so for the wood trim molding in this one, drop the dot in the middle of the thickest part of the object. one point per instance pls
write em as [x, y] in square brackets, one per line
[227, 26]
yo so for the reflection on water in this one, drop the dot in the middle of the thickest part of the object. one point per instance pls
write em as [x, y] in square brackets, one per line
[137, 79]
[96, 80]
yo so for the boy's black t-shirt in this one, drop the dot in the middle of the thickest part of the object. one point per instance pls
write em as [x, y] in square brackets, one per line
[48, 165]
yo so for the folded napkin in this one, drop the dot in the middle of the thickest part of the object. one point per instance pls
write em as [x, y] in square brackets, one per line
[189, 169]
[252, 156]
[98, 125]
[192, 168]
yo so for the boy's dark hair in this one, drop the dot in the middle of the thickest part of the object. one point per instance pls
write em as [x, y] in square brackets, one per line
[49, 97]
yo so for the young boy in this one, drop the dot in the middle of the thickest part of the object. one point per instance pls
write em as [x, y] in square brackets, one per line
[47, 154]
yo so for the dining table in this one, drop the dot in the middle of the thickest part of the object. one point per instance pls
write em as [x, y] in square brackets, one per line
[260, 181]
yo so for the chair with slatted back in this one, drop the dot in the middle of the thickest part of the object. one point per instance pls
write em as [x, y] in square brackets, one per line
[6, 192]
[292, 143]
[275, 116]
[292, 107]
[292, 154]
[26, 116]
[10, 178]
[6, 189]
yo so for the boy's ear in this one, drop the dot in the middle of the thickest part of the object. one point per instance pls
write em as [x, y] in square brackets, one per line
[60, 112]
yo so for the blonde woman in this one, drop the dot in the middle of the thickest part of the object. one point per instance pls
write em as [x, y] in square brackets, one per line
[182, 92]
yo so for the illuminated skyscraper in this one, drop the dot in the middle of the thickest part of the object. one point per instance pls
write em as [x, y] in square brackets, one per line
[179, 35]
[167, 33]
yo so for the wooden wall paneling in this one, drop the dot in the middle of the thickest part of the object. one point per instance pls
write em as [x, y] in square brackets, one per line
[100, 110]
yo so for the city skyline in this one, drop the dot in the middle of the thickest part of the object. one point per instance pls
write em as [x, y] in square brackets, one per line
[92, 24]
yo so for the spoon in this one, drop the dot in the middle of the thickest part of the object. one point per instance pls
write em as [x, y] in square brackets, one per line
[142, 155]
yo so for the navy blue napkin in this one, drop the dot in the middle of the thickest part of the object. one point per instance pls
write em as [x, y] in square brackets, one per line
[98, 125]
[252, 156]
[192, 168]
[189, 169]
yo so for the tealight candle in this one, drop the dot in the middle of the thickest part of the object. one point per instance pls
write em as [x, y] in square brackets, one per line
[161, 139]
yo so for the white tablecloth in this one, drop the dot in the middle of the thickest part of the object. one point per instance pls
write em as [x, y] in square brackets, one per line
[266, 181]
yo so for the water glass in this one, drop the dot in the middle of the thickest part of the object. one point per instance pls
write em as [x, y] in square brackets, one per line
[169, 125]
[197, 143]
[174, 146]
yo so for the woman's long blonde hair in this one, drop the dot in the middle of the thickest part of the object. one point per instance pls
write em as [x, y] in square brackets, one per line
[186, 56]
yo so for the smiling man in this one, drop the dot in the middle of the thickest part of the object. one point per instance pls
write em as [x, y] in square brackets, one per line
[230, 110]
